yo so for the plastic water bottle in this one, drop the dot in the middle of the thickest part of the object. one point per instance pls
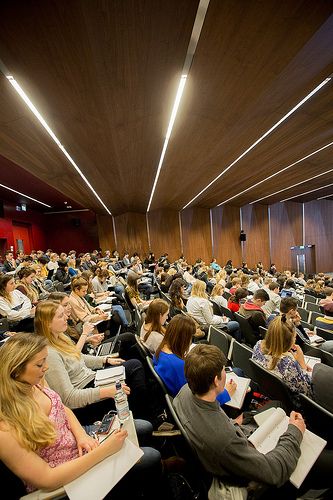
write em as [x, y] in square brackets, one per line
[121, 403]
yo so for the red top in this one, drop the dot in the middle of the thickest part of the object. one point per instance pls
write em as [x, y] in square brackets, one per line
[233, 306]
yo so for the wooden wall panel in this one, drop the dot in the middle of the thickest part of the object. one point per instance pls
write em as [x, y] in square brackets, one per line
[255, 225]
[318, 222]
[164, 233]
[226, 229]
[196, 234]
[286, 220]
[106, 232]
[131, 233]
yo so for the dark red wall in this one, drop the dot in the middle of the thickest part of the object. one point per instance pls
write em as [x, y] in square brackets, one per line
[56, 231]
[31, 217]
[63, 235]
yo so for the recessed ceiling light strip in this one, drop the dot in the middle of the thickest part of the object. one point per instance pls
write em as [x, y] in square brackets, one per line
[25, 195]
[307, 192]
[197, 26]
[277, 124]
[323, 197]
[34, 110]
[292, 186]
[276, 173]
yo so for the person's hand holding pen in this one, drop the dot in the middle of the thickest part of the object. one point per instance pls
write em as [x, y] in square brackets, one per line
[114, 440]
[231, 387]
[297, 420]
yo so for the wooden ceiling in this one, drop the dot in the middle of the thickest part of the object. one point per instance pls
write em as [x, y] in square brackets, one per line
[104, 75]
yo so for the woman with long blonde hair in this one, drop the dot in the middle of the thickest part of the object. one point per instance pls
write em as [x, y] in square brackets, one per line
[41, 440]
[279, 352]
[201, 309]
[72, 373]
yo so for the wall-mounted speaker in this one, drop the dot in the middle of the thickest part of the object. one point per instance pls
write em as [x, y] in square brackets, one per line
[242, 236]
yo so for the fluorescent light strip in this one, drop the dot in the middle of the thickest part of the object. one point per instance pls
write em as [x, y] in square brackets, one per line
[168, 134]
[277, 124]
[34, 110]
[25, 195]
[323, 197]
[197, 26]
[276, 173]
[307, 192]
[293, 185]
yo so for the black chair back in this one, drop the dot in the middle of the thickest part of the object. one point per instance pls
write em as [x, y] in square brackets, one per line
[240, 357]
[327, 335]
[216, 308]
[305, 324]
[226, 294]
[229, 314]
[310, 298]
[272, 386]
[156, 375]
[304, 314]
[248, 333]
[204, 478]
[318, 419]
[310, 306]
[262, 331]
[219, 338]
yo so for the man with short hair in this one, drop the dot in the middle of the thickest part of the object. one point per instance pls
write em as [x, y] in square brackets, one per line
[328, 291]
[253, 312]
[9, 265]
[222, 446]
[273, 304]
[254, 284]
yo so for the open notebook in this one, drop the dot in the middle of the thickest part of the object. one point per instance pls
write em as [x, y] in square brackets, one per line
[237, 399]
[266, 437]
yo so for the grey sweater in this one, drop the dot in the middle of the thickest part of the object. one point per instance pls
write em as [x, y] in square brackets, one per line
[68, 376]
[225, 452]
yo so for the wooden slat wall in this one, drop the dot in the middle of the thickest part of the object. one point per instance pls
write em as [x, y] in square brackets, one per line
[286, 220]
[255, 225]
[131, 233]
[105, 232]
[226, 229]
[318, 221]
[164, 232]
[196, 234]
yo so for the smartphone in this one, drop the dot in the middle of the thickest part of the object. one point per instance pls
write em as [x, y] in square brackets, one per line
[228, 369]
[106, 423]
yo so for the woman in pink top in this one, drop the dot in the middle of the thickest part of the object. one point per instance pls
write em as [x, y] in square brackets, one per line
[41, 440]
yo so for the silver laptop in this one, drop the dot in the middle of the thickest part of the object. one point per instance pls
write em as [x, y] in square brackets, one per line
[110, 348]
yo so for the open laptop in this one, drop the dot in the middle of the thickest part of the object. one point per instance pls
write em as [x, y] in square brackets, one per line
[110, 348]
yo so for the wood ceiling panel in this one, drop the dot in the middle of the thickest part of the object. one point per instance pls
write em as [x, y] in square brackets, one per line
[254, 62]
[104, 75]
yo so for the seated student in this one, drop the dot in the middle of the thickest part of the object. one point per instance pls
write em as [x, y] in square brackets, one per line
[328, 291]
[222, 446]
[273, 304]
[326, 322]
[169, 357]
[41, 440]
[153, 330]
[15, 306]
[288, 306]
[279, 353]
[26, 277]
[236, 300]
[133, 293]
[201, 309]
[254, 284]
[217, 295]
[72, 373]
[81, 310]
[52, 265]
[62, 274]
[252, 310]
[289, 289]
[177, 297]
[235, 283]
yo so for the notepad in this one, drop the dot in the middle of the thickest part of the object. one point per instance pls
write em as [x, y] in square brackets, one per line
[110, 375]
[316, 339]
[266, 437]
[311, 361]
[237, 399]
[101, 478]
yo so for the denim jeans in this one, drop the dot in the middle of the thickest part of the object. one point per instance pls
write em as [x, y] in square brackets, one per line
[121, 314]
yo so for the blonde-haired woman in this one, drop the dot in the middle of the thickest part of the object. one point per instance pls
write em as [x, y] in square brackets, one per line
[41, 440]
[217, 295]
[199, 307]
[153, 330]
[279, 353]
[72, 374]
